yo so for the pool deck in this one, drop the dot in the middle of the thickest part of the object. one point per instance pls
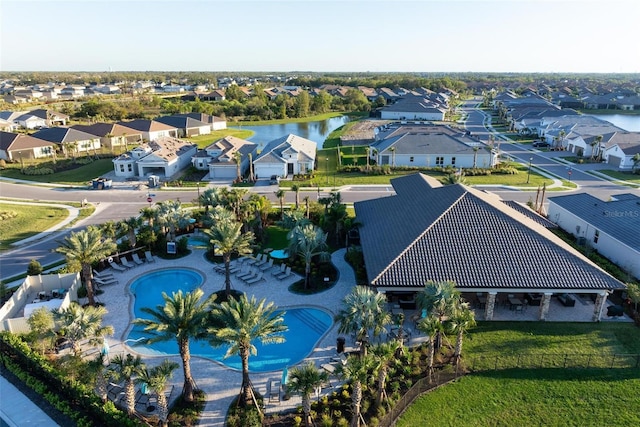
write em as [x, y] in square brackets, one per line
[222, 384]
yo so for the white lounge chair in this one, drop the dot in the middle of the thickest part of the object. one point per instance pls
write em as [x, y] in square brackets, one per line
[254, 261]
[284, 275]
[136, 258]
[280, 270]
[267, 266]
[255, 279]
[126, 262]
[102, 274]
[248, 274]
[148, 257]
[262, 261]
[116, 266]
[105, 282]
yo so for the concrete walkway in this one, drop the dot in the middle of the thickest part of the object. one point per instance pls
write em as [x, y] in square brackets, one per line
[17, 410]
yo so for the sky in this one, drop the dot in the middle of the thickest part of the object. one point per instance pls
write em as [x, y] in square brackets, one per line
[321, 35]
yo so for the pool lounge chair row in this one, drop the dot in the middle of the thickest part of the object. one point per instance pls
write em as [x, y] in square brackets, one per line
[125, 264]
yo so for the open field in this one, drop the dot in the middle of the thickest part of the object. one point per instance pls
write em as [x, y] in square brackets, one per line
[622, 176]
[78, 176]
[28, 221]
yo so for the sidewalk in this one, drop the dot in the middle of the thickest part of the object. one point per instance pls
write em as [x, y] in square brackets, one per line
[17, 410]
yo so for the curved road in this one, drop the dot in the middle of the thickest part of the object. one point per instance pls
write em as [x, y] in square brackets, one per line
[116, 204]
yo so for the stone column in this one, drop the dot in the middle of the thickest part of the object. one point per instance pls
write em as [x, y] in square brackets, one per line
[544, 306]
[601, 299]
[491, 302]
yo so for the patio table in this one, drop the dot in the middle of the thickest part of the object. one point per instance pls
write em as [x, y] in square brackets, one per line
[514, 302]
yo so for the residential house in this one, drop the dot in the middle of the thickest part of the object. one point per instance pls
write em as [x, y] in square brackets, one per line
[620, 150]
[51, 118]
[112, 135]
[429, 146]
[164, 156]
[29, 121]
[70, 141]
[288, 155]
[428, 232]
[610, 227]
[220, 158]
[73, 91]
[7, 126]
[19, 146]
[412, 107]
[150, 129]
[215, 122]
[214, 95]
[186, 126]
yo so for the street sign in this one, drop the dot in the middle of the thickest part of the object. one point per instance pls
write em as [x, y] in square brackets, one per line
[149, 199]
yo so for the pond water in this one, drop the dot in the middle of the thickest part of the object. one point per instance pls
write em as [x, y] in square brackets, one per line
[316, 131]
[627, 122]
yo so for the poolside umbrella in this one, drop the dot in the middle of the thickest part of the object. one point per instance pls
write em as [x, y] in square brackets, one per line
[144, 388]
[105, 347]
[285, 376]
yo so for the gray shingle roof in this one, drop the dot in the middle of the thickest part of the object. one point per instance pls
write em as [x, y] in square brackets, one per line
[619, 218]
[460, 234]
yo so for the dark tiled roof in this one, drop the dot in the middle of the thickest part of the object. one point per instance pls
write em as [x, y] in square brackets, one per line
[619, 218]
[181, 122]
[530, 213]
[460, 234]
[61, 135]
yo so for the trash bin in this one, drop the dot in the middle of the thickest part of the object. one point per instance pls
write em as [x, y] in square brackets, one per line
[340, 342]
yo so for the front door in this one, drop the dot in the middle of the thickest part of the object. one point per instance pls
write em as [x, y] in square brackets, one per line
[289, 168]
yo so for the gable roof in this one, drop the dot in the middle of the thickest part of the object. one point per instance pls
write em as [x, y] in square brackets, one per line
[10, 141]
[103, 129]
[275, 149]
[60, 135]
[230, 145]
[426, 139]
[144, 125]
[181, 122]
[461, 234]
[623, 226]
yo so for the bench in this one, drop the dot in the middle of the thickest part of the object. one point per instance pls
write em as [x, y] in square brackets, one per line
[566, 300]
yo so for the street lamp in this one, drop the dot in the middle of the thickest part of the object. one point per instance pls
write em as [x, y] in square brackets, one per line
[327, 170]
[198, 184]
[529, 171]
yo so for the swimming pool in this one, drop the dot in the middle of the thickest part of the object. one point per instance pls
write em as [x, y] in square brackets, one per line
[306, 326]
[279, 254]
[198, 242]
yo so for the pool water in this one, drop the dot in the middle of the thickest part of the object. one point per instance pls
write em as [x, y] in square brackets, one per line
[279, 254]
[306, 326]
[198, 242]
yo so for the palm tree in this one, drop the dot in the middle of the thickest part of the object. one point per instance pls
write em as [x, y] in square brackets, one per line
[383, 355]
[172, 216]
[235, 197]
[595, 143]
[306, 206]
[83, 248]
[440, 299]
[181, 318]
[308, 241]
[431, 326]
[228, 238]
[357, 371]
[251, 177]
[393, 156]
[459, 323]
[636, 161]
[475, 156]
[129, 227]
[280, 195]
[97, 368]
[157, 379]
[237, 157]
[210, 198]
[238, 323]
[305, 380]
[109, 229]
[455, 178]
[149, 215]
[296, 189]
[367, 151]
[77, 323]
[124, 369]
[362, 310]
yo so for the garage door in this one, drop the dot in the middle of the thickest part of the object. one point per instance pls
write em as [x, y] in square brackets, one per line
[224, 172]
[614, 161]
[265, 171]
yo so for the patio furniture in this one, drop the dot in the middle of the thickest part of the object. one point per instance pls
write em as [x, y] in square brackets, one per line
[247, 274]
[136, 258]
[262, 261]
[615, 310]
[124, 261]
[116, 266]
[255, 279]
[267, 266]
[514, 302]
[533, 299]
[274, 390]
[281, 270]
[566, 300]
[148, 257]
[101, 282]
[285, 275]
[253, 261]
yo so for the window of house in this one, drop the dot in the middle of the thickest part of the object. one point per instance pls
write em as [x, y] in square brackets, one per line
[121, 168]
[130, 167]
[411, 159]
[596, 236]
[453, 161]
[439, 161]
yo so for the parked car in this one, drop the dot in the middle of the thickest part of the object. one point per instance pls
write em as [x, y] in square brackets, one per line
[274, 180]
[540, 144]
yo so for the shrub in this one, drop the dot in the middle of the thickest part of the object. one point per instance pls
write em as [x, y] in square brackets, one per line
[4, 215]
[34, 268]
[326, 421]
[342, 422]
[297, 421]
[37, 171]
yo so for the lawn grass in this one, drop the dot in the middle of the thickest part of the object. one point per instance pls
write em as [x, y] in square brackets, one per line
[29, 221]
[78, 176]
[622, 176]
[277, 237]
[204, 141]
[549, 397]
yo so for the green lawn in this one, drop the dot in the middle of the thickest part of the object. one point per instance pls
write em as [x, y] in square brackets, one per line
[546, 397]
[622, 176]
[29, 221]
[78, 176]
[204, 141]
[277, 237]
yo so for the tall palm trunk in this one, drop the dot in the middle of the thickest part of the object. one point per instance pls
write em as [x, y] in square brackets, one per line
[246, 382]
[227, 274]
[430, 350]
[163, 409]
[307, 274]
[458, 350]
[88, 282]
[101, 385]
[382, 379]
[356, 398]
[130, 393]
[187, 389]
[306, 408]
